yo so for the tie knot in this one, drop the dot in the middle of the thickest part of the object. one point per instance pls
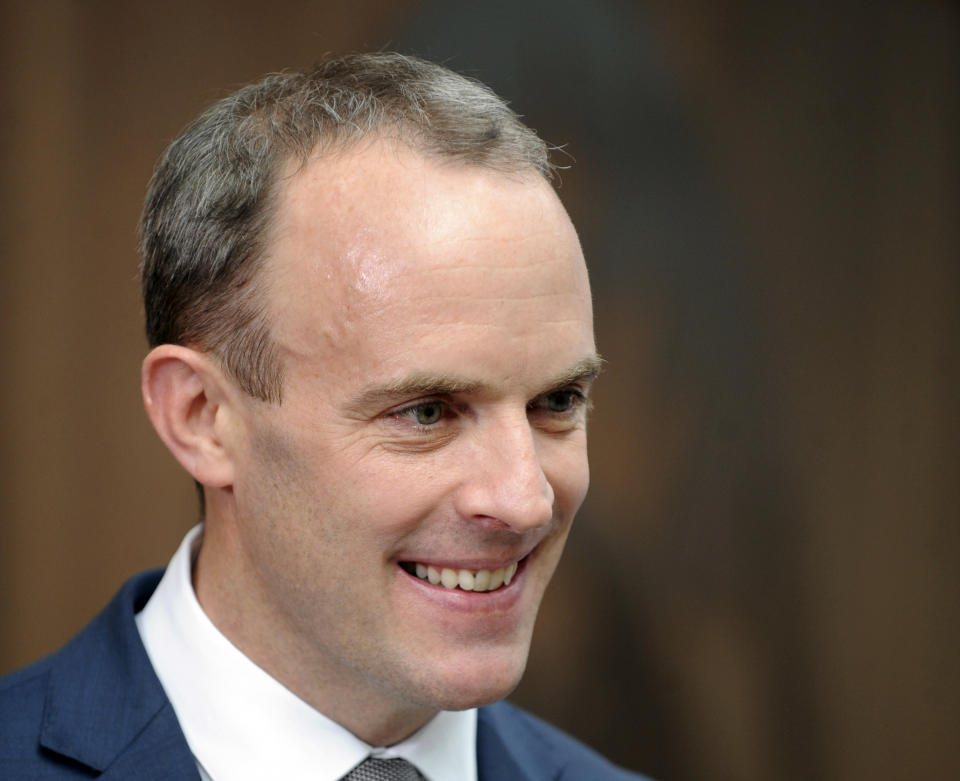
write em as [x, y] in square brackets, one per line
[372, 769]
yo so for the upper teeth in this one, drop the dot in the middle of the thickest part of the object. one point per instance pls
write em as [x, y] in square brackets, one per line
[465, 579]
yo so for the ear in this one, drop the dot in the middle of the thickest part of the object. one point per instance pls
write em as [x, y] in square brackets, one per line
[185, 394]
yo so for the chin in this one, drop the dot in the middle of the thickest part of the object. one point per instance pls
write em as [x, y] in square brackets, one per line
[472, 682]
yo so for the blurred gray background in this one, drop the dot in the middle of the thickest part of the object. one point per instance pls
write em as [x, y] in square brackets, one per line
[763, 583]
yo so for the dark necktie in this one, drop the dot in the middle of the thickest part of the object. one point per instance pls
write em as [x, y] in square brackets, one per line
[372, 769]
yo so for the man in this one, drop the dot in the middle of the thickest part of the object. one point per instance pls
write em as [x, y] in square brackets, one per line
[372, 348]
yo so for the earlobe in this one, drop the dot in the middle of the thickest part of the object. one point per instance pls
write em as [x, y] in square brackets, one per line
[183, 392]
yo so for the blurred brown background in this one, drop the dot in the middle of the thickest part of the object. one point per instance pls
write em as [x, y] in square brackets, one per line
[764, 582]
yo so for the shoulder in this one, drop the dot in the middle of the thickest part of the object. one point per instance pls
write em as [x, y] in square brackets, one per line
[113, 626]
[533, 742]
[47, 703]
[22, 697]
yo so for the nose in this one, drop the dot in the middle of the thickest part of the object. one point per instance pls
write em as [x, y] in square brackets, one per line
[505, 483]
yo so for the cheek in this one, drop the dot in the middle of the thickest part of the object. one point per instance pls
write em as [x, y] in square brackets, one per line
[281, 491]
[399, 489]
[568, 472]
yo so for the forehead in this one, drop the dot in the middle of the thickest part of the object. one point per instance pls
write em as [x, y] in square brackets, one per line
[381, 239]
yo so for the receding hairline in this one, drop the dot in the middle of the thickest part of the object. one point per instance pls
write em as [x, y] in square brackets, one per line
[508, 145]
[394, 139]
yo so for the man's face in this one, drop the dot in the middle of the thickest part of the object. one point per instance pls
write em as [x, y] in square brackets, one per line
[435, 326]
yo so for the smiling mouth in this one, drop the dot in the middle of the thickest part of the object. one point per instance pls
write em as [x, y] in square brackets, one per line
[463, 579]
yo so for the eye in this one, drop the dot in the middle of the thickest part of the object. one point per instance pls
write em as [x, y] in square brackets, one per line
[427, 413]
[424, 413]
[559, 401]
[421, 426]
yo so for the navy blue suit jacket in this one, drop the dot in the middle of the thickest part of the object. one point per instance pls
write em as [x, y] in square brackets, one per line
[95, 709]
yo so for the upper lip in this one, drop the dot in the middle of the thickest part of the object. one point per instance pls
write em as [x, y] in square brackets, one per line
[472, 563]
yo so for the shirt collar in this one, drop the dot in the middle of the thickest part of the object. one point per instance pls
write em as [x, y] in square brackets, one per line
[241, 723]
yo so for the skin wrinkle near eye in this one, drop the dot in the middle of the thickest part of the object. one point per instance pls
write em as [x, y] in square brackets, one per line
[412, 437]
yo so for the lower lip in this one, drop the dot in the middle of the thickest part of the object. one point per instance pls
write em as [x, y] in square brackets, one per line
[471, 602]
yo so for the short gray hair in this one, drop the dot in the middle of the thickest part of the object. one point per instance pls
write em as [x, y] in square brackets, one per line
[210, 201]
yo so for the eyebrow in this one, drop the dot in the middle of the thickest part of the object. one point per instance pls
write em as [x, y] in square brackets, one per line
[415, 385]
[427, 384]
[586, 370]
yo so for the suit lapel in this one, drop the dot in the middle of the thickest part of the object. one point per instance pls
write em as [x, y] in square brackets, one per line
[104, 706]
[507, 749]
[158, 753]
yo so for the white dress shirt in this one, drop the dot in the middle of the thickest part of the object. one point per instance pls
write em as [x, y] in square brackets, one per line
[241, 723]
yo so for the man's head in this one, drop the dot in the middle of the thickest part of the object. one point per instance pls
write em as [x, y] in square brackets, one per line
[428, 318]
